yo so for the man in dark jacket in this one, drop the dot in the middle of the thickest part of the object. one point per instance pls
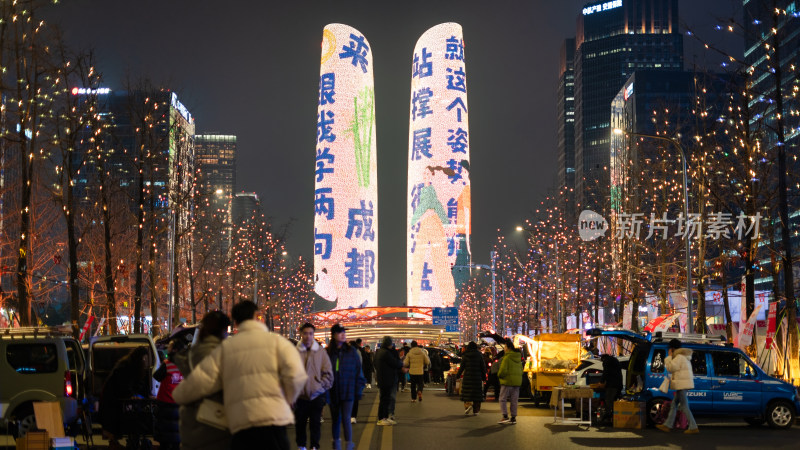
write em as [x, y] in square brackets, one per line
[366, 360]
[612, 380]
[387, 365]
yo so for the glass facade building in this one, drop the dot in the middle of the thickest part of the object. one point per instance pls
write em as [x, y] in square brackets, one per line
[566, 116]
[614, 39]
[760, 19]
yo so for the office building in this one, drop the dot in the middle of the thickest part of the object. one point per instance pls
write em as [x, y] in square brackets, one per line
[614, 39]
[566, 117]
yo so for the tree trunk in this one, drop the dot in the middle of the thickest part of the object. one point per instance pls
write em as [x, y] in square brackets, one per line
[726, 304]
[783, 201]
[108, 274]
[137, 296]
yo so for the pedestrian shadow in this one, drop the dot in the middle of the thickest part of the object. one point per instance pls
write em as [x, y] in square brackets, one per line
[557, 428]
[629, 442]
[449, 418]
[485, 431]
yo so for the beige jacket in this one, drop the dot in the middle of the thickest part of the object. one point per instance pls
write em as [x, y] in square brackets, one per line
[318, 368]
[416, 360]
[260, 372]
[679, 367]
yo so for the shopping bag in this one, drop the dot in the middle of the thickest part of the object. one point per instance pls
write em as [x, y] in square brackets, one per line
[212, 414]
[664, 387]
[681, 422]
[663, 412]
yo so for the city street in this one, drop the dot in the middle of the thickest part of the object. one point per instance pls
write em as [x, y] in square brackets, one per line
[439, 423]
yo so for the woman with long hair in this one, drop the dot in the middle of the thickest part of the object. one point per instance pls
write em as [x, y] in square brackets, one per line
[196, 435]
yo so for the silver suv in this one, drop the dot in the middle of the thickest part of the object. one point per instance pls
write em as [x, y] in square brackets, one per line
[39, 365]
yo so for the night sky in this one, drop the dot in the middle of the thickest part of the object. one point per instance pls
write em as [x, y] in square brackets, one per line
[252, 69]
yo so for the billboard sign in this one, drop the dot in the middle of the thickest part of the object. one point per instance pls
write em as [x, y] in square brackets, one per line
[439, 205]
[345, 173]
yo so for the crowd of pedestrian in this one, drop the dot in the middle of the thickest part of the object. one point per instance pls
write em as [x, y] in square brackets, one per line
[255, 383]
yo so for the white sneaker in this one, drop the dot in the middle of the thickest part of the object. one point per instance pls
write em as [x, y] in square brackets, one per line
[353, 420]
[383, 422]
[391, 421]
[369, 386]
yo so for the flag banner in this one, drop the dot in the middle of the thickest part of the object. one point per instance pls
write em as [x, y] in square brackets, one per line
[746, 332]
[86, 327]
[773, 310]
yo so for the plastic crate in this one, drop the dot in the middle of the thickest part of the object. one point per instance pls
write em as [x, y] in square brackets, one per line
[138, 417]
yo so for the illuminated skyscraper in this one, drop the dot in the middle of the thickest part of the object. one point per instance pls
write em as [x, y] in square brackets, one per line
[345, 173]
[439, 199]
[614, 38]
[215, 158]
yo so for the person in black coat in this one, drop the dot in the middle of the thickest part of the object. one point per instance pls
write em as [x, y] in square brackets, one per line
[436, 365]
[387, 364]
[129, 379]
[612, 381]
[368, 364]
[474, 371]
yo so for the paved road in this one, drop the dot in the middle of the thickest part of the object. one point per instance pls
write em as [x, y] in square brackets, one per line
[439, 423]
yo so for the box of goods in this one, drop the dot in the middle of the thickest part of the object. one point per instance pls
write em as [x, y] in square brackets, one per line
[629, 414]
[34, 440]
[63, 443]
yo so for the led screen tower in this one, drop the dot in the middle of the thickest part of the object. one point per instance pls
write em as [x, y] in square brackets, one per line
[438, 169]
[345, 175]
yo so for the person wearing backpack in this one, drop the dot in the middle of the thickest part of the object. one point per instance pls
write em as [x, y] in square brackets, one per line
[679, 366]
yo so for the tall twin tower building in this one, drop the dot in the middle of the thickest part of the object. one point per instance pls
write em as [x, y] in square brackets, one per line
[345, 175]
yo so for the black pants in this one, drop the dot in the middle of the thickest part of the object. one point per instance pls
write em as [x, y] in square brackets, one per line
[304, 411]
[261, 437]
[611, 395]
[417, 383]
[385, 400]
[492, 382]
[354, 413]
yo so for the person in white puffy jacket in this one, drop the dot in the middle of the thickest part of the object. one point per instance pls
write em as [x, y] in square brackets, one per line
[679, 366]
[261, 374]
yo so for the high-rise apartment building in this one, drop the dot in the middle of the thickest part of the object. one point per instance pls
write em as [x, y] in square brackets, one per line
[614, 38]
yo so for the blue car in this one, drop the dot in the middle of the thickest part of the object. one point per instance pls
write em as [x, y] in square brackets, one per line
[726, 381]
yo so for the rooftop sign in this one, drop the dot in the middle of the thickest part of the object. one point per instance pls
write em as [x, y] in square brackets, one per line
[602, 7]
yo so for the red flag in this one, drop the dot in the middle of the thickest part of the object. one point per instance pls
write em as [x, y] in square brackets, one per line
[771, 325]
[86, 327]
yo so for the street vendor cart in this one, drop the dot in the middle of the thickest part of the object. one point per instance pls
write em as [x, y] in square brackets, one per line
[548, 357]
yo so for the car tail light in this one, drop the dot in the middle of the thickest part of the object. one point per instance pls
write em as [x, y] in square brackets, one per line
[68, 391]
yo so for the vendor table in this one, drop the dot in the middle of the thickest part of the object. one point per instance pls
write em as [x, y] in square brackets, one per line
[557, 401]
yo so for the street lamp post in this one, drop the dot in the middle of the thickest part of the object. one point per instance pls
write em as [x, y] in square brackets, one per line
[492, 269]
[493, 255]
[677, 144]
